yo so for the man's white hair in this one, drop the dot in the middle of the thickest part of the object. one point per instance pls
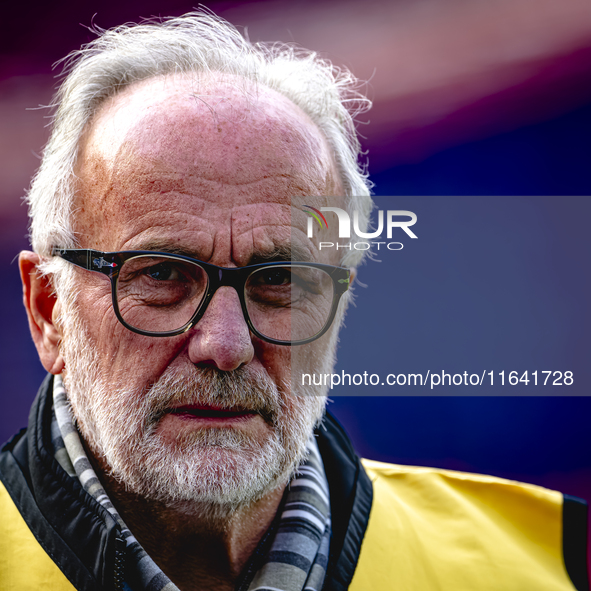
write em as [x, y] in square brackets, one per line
[196, 42]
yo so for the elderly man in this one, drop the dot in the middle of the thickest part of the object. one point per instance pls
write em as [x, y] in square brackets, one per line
[173, 293]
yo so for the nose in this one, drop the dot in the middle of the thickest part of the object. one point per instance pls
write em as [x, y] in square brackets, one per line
[222, 337]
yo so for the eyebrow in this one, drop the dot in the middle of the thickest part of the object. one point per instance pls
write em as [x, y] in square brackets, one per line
[157, 245]
[280, 253]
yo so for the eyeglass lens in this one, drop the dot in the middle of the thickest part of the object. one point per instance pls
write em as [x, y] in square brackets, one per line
[284, 302]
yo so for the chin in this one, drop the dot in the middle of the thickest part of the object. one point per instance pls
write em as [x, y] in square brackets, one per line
[215, 468]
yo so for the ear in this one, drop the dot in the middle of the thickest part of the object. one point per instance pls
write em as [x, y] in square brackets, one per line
[353, 272]
[40, 302]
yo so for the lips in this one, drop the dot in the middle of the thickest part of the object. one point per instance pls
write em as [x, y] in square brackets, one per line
[211, 413]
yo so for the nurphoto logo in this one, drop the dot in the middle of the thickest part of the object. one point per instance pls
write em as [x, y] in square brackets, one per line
[396, 218]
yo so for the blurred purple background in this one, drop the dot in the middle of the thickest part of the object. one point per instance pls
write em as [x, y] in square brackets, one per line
[470, 99]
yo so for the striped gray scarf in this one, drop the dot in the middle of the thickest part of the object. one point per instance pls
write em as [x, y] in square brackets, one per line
[295, 558]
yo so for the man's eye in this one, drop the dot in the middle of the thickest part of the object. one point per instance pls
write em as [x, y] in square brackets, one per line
[275, 277]
[163, 272]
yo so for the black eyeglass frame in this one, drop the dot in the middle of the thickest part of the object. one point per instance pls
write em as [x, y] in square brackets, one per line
[110, 263]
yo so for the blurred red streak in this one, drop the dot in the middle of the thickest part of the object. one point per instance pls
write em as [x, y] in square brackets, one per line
[409, 128]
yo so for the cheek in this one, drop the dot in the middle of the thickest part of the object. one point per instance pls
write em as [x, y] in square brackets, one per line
[275, 359]
[139, 361]
[126, 358]
[314, 361]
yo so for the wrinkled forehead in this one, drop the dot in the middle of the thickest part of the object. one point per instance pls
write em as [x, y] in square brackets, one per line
[183, 143]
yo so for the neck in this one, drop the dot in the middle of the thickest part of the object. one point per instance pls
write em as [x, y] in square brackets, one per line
[196, 546]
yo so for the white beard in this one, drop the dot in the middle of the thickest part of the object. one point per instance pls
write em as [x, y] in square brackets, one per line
[220, 470]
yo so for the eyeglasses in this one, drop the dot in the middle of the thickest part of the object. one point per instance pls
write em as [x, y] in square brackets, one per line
[160, 294]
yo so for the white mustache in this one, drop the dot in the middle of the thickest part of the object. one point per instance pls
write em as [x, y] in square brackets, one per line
[241, 389]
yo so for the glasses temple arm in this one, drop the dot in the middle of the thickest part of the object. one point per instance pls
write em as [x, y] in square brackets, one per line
[92, 260]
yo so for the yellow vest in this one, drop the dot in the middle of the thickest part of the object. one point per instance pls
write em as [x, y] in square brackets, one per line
[429, 530]
[24, 564]
[439, 530]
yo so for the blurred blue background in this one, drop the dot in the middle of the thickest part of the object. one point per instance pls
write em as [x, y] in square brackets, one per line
[471, 100]
[492, 283]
